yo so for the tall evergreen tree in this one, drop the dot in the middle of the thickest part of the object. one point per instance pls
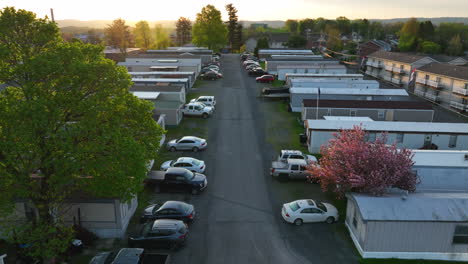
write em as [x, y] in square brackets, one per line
[232, 26]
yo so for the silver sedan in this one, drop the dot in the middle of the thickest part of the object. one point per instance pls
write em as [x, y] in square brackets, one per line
[191, 164]
[187, 143]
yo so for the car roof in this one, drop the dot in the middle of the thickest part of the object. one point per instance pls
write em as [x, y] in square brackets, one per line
[206, 96]
[185, 159]
[180, 171]
[286, 151]
[306, 203]
[128, 255]
[173, 205]
[166, 224]
[297, 161]
[191, 137]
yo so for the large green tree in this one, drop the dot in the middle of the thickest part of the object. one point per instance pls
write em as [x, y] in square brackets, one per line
[409, 35]
[118, 35]
[292, 25]
[306, 24]
[455, 46]
[68, 126]
[143, 37]
[208, 29]
[183, 31]
[161, 37]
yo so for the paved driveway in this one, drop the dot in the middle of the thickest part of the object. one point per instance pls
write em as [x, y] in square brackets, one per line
[239, 214]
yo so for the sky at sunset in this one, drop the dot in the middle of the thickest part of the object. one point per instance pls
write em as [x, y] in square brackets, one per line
[248, 9]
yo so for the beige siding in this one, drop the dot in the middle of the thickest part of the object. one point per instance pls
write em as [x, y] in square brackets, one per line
[412, 237]
[359, 230]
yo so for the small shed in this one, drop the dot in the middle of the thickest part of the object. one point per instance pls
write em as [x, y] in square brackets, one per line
[421, 225]
[157, 81]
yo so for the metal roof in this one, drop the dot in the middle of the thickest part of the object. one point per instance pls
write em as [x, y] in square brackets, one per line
[364, 104]
[348, 118]
[445, 69]
[397, 56]
[161, 73]
[284, 51]
[311, 66]
[441, 158]
[390, 126]
[349, 91]
[146, 95]
[154, 80]
[323, 75]
[440, 207]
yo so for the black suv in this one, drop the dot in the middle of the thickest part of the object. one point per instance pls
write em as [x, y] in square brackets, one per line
[164, 233]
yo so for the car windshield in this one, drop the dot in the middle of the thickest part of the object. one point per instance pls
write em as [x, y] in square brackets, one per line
[321, 206]
[189, 175]
[294, 206]
[196, 162]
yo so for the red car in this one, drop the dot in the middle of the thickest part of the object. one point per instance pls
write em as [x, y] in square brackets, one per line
[265, 78]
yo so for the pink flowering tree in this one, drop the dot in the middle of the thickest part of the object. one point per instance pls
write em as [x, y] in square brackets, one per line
[350, 163]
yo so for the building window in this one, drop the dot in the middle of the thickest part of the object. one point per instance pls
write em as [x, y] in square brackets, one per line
[452, 141]
[352, 112]
[437, 79]
[460, 236]
[129, 69]
[329, 111]
[400, 137]
[466, 86]
[381, 114]
[354, 219]
[370, 137]
[426, 77]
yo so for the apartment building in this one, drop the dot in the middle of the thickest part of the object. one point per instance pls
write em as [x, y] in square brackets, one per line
[395, 67]
[445, 84]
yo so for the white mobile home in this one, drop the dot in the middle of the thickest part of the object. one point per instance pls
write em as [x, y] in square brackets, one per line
[332, 83]
[173, 90]
[266, 53]
[413, 226]
[441, 170]
[411, 135]
[271, 66]
[408, 111]
[165, 75]
[292, 76]
[284, 69]
[298, 95]
[166, 64]
[164, 104]
[185, 82]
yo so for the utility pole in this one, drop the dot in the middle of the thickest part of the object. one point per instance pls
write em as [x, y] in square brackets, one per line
[52, 14]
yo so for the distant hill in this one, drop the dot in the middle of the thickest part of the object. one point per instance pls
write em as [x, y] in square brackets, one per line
[434, 20]
[271, 23]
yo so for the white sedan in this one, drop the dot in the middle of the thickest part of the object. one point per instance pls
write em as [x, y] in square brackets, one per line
[309, 211]
[190, 164]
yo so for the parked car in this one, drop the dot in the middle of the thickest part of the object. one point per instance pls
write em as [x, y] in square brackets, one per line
[250, 62]
[130, 256]
[163, 233]
[217, 63]
[206, 100]
[295, 154]
[214, 67]
[169, 210]
[252, 66]
[265, 78]
[187, 143]
[206, 70]
[210, 75]
[291, 169]
[190, 164]
[267, 90]
[309, 211]
[177, 179]
[257, 72]
[197, 109]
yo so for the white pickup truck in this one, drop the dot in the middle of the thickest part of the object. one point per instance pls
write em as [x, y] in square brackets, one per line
[295, 154]
[206, 100]
[197, 109]
[291, 169]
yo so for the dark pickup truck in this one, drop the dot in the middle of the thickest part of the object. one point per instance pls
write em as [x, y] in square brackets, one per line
[177, 178]
[130, 256]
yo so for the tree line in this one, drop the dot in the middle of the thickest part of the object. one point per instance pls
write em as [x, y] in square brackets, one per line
[207, 30]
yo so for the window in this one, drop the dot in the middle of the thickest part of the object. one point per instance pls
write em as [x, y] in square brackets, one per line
[400, 137]
[316, 211]
[354, 219]
[402, 67]
[381, 114]
[426, 77]
[466, 86]
[295, 167]
[329, 111]
[306, 211]
[460, 236]
[321, 206]
[452, 141]
[129, 69]
[352, 112]
[438, 79]
[294, 206]
[370, 137]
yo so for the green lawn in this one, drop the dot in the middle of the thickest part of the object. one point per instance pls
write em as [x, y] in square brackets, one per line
[277, 83]
[406, 261]
[262, 64]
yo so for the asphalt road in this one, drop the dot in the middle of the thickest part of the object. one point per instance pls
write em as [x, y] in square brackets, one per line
[238, 216]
